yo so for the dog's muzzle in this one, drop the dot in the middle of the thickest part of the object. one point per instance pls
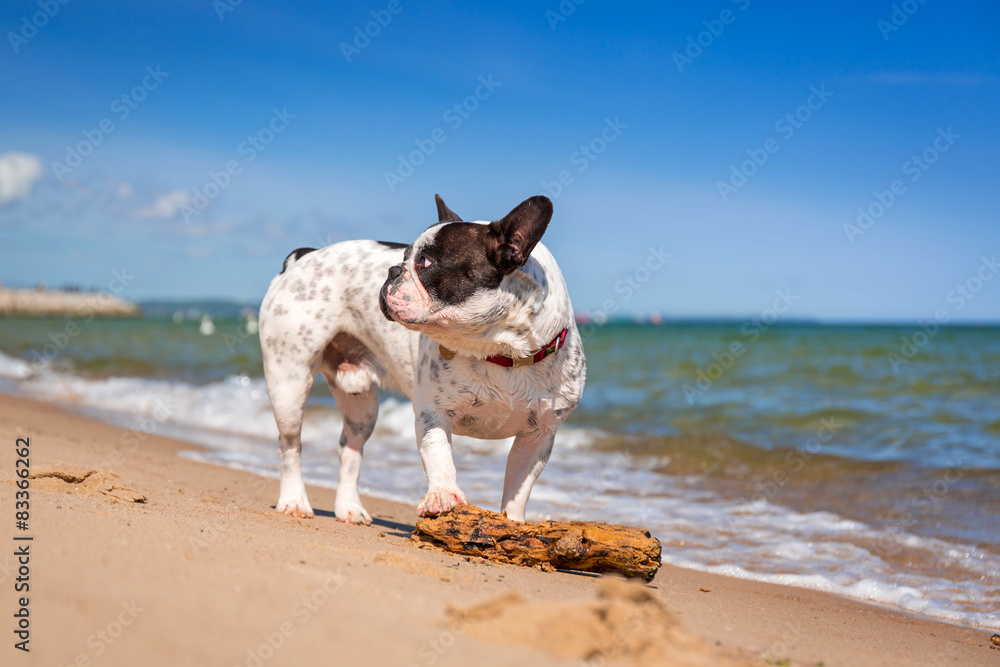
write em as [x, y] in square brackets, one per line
[394, 273]
[382, 304]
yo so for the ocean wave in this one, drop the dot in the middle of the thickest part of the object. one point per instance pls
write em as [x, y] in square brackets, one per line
[668, 485]
[236, 406]
[14, 369]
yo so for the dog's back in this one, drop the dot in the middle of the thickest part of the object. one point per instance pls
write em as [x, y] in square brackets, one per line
[314, 317]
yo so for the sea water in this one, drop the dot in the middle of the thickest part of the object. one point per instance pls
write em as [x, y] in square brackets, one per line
[859, 460]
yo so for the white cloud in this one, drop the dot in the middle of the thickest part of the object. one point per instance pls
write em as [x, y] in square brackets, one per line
[18, 174]
[124, 191]
[166, 207]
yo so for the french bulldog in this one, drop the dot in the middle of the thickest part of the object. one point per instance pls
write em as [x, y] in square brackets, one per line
[472, 322]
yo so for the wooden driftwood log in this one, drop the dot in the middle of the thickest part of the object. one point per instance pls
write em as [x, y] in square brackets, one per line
[568, 545]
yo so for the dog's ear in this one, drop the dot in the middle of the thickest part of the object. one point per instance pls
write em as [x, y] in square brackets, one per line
[445, 214]
[513, 237]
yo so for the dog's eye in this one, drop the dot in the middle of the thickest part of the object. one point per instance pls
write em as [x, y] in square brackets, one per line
[424, 261]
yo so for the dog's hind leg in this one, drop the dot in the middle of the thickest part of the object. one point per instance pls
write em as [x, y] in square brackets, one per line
[350, 369]
[359, 412]
[288, 399]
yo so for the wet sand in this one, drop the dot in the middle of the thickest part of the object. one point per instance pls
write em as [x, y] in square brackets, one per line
[142, 557]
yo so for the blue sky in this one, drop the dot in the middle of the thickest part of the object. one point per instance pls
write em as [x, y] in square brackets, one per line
[666, 100]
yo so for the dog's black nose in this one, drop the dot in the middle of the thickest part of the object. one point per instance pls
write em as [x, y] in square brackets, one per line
[395, 272]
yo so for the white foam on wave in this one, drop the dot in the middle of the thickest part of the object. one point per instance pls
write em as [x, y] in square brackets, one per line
[233, 419]
[14, 369]
[822, 551]
[760, 541]
[936, 598]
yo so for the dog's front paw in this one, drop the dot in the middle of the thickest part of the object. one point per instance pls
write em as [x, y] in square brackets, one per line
[441, 499]
[352, 513]
[298, 507]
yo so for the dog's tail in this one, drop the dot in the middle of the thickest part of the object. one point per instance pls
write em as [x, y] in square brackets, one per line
[293, 257]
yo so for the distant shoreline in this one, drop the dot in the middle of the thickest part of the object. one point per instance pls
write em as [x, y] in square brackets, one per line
[47, 303]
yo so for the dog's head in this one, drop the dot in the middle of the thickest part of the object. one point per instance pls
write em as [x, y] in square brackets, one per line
[450, 279]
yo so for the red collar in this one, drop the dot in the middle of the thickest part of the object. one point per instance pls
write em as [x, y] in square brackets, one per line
[499, 360]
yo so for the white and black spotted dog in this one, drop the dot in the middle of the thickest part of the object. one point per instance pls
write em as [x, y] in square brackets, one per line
[474, 324]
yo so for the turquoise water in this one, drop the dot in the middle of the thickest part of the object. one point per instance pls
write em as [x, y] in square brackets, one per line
[939, 408]
[859, 459]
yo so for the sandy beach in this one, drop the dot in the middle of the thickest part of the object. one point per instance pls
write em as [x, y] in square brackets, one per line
[142, 557]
